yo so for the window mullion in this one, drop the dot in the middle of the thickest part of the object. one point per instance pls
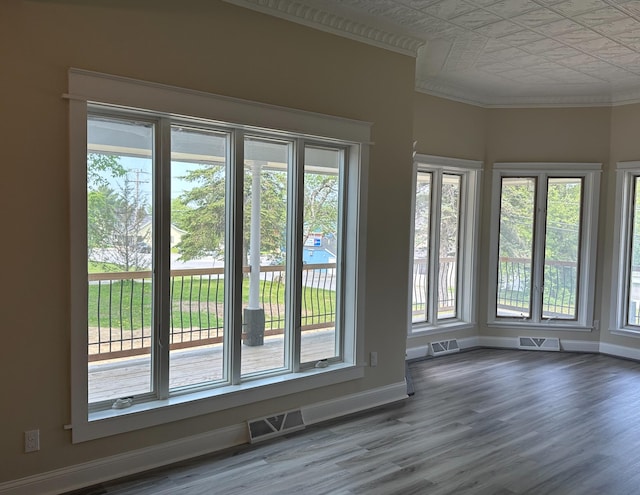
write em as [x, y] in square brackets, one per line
[295, 231]
[539, 229]
[162, 258]
[461, 258]
[342, 221]
[233, 257]
[434, 248]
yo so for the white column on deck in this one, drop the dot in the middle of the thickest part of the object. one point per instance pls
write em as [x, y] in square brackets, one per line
[254, 242]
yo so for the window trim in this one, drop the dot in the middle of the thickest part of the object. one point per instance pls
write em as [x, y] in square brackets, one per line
[590, 173]
[470, 172]
[626, 172]
[161, 101]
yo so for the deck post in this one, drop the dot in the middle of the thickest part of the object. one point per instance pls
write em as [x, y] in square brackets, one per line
[253, 313]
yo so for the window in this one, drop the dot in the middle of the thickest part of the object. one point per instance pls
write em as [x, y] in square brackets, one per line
[210, 258]
[543, 237]
[625, 314]
[444, 240]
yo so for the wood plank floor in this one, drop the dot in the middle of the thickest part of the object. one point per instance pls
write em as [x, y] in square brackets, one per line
[484, 422]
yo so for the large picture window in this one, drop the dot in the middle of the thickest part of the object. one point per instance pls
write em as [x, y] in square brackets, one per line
[444, 241]
[544, 232]
[217, 258]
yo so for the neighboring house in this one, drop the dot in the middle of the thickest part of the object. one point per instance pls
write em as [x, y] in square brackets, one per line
[144, 234]
[319, 248]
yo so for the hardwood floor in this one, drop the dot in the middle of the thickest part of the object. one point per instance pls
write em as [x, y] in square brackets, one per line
[484, 422]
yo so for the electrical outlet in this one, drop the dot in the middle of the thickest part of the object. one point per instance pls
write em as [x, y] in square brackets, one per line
[31, 441]
[373, 359]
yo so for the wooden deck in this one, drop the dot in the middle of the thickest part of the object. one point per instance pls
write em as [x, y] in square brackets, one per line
[125, 377]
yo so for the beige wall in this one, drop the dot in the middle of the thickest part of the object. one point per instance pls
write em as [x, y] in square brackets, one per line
[449, 128]
[204, 45]
[548, 135]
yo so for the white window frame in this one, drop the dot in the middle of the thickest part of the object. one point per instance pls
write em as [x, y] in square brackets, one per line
[470, 173]
[160, 101]
[590, 173]
[626, 172]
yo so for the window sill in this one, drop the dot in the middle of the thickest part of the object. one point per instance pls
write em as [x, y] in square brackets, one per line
[152, 413]
[625, 332]
[553, 325]
[419, 329]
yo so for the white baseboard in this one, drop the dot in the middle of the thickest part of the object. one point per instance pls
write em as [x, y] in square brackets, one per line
[117, 466]
[323, 411]
[620, 351]
[500, 342]
[90, 473]
[469, 343]
[417, 352]
[580, 346]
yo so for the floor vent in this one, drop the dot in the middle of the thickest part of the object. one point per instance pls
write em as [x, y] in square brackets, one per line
[539, 344]
[444, 347]
[273, 426]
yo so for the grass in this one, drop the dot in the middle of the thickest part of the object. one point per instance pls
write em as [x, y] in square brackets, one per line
[103, 267]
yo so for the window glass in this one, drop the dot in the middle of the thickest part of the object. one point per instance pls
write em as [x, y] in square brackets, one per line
[264, 255]
[449, 238]
[515, 246]
[562, 248]
[119, 245]
[320, 337]
[421, 245]
[197, 245]
[128, 320]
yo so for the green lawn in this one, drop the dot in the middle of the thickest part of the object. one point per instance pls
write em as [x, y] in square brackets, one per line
[196, 303]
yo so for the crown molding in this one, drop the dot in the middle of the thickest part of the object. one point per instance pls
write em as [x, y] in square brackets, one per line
[449, 92]
[323, 20]
[626, 98]
[435, 88]
[469, 97]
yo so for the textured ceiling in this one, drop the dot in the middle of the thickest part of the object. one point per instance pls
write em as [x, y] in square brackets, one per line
[495, 52]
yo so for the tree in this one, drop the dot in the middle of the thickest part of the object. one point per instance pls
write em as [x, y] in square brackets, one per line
[563, 210]
[422, 226]
[563, 221]
[100, 168]
[200, 211]
[101, 219]
[450, 216]
[516, 218]
[321, 204]
[117, 211]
